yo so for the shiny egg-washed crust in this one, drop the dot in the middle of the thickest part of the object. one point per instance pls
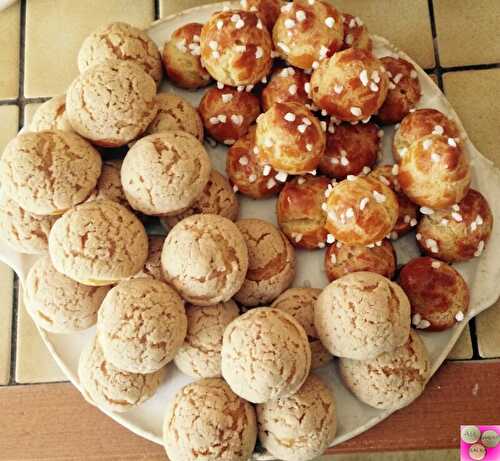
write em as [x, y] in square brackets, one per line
[124, 42]
[434, 173]
[51, 115]
[237, 114]
[175, 113]
[293, 146]
[98, 243]
[228, 63]
[152, 266]
[362, 315]
[104, 386]
[205, 258]
[437, 292]
[265, 355]
[393, 379]
[355, 33]
[271, 263]
[458, 232]
[141, 324]
[336, 85]
[418, 124]
[362, 211]
[349, 149]
[345, 259]
[48, 172]
[267, 10]
[109, 185]
[310, 39]
[245, 171]
[111, 103]
[405, 94]
[300, 213]
[218, 198]
[58, 304]
[299, 303]
[164, 173]
[181, 58]
[301, 426]
[207, 421]
[286, 84]
[200, 354]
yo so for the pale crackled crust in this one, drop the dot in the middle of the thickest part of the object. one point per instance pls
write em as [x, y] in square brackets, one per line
[109, 185]
[393, 379]
[361, 315]
[265, 355]
[206, 421]
[51, 115]
[141, 324]
[152, 266]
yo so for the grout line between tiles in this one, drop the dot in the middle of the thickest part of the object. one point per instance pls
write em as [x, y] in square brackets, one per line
[157, 9]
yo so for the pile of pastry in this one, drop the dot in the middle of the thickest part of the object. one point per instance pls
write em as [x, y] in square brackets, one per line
[300, 98]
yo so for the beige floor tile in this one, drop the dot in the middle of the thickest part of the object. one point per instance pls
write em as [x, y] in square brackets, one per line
[9, 116]
[6, 288]
[470, 93]
[55, 31]
[404, 22]
[467, 31]
[34, 364]
[488, 332]
[463, 347]
[174, 6]
[421, 455]
[9, 52]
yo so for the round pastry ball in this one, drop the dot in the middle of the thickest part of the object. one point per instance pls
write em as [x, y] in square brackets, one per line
[107, 387]
[23, 231]
[124, 42]
[435, 172]
[361, 211]
[299, 303]
[438, 294]
[111, 103]
[109, 185]
[307, 32]
[300, 211]
[141, 324]
[299, 427]
[227, 113]
[350, 150]
[265, 355]
[98, 243]
[267, 10]
[236, 48]
[344, 259]
[355, 33]
[218, 198]
[58, 304]
[246, 173]
[287, 84]
[458, 233]
[290, 138]
[271, 263]
[351, 85]
[164, 173]
[217, 259]
[200, 354]
[51, 115]
[181, 57]
[47, 173]
[392, 380]
[420, 123]
[362, 315]
[152, 266]
[175, 113]
[404, 90]
[206, 421]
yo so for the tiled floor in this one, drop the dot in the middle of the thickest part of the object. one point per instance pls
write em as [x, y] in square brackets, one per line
[9, 115]
[9, 52]
[7, 290]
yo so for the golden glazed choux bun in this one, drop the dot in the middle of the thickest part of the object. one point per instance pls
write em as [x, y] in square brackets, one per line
[361, 211]
[267, 10]
[306, 32]
[181, 57]
[236, 48]
[286, 84]
[351, 85]
[227, 113]
[290, 138]
[355, 33]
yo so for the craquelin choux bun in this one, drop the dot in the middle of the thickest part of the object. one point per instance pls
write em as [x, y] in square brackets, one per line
[51, 115]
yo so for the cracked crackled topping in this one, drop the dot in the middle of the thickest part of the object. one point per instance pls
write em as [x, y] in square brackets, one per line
[109, 185]
[152, 266]
[51, 115]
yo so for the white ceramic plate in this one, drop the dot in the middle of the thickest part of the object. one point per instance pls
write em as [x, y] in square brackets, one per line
[354, 417]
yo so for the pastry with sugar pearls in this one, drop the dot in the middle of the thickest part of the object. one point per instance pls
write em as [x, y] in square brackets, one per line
[267, 10]
[355, 33]
[286, 84]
